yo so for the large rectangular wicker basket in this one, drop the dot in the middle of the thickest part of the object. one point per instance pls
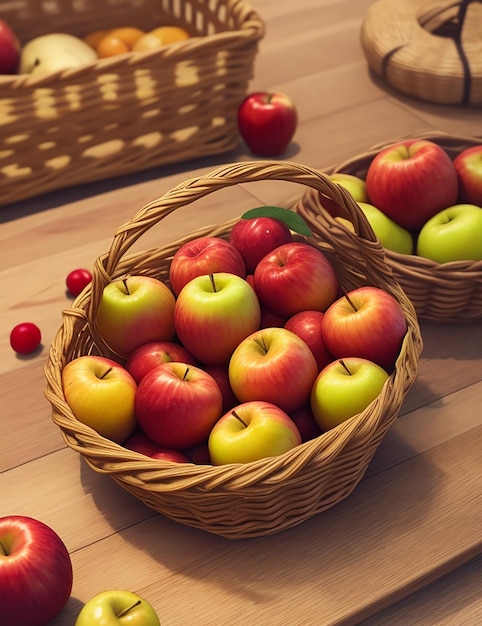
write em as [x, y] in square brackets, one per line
[130, 112]
[266, 496]
[448, 292]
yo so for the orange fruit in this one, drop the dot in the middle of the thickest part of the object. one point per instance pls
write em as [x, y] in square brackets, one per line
[128, 34]
[147, 42]
[170, 34]
[93, 38]
[111, 46]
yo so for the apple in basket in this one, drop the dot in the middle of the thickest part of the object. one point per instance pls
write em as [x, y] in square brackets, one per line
[204, 255]
[295, 277]
[306, 423]
[213, 313]
[307, 325]
[150, 355]
[345, 388]
[133, 311]
[356, 187]
[116, 606]
[453, 234]
[412, 180]
[367, 322]
[252, 431]
[101, 393]
[468, 165]
[9, 49]
[274, 365]
[139, 442]
[35, 572]
[390, 234]
[177, 405]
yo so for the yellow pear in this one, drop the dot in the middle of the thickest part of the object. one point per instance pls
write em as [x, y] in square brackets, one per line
[53, 52]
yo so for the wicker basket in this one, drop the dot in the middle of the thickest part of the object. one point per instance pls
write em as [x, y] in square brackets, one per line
[449, 292]
[267, 496]
[428, 49]
[127, 113]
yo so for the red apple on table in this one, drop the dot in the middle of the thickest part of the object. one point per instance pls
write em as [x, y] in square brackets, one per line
[345, 388]
[177, 405]
[35, 572]
[295, 277]
[367, 322]
[468, 165]
[9, 49]
[133, 311]
[252, 431]
[150, 355]
[204, 255]
[101, 393]
[213, 314]
[256, 236]
[412, 180]
[273, 365]
[117, 607]
[139, 442]
[307, 325]
[267, 122]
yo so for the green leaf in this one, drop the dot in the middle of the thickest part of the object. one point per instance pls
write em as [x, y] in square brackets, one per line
[290, 218]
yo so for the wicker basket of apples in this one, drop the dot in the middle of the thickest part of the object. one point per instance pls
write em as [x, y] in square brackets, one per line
[423, 198]
[240, 379]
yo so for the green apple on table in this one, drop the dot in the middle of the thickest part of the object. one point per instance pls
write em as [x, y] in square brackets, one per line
[117, 608]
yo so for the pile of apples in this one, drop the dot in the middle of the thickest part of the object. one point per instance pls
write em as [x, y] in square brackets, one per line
[247, 350]
[418, 200]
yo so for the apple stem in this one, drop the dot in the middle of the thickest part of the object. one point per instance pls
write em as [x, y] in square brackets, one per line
[185, 373]
[3, 550]
[350, 302]
[344, 365]
[124, 280]
[129, 608]
[105, 373]
[213, 283]
[234, 414]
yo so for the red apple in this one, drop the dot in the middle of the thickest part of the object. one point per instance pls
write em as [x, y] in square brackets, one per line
[199, 455]
[142, 444]
[367, 322]
[220, 374]
[295, 277]
[177, 405]
[307, 325]
[257, 236]
[204, 255]
[252, 431]
[267, 122]
[9, 49]
[150, 355]
[273, 365]
[306, 423]
[35, 572]
[412, 180]
[468, 165]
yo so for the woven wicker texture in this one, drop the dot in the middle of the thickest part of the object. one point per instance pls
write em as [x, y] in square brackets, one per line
[428, 49]
[127, 113]
[267, 496]
[449, 292]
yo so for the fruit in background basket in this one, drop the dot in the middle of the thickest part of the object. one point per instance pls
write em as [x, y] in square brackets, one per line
[252, 431]
[148, 356]
[307, 325]
[295, 277]
[454, 234]
[345, 388]
[54, 52]
[257, 236]
[9, 49]
[77, 280]
[273, 365]
[177, 405]
[204, 255]
[115, 607]
[25, 338]
[389, 233]
[160, 36]
[128, 34]
[101, 393]
[412, 180]
[367, 322]
[213, 313]
[355, 186]
[111, 46]
[35, 572]
[139, 442]
[468, 165]
[133, 311]
[267, 122]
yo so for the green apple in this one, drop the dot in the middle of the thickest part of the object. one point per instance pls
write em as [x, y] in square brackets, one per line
[117, 608]
[345, 388]
[101, 394]
[389, 233]
[355, 186]
[453, 234]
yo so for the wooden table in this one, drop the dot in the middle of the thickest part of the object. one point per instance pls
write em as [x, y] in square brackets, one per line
[405, 547]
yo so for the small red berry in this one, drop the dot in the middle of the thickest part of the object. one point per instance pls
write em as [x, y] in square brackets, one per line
[25, 338]
[77, 280]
